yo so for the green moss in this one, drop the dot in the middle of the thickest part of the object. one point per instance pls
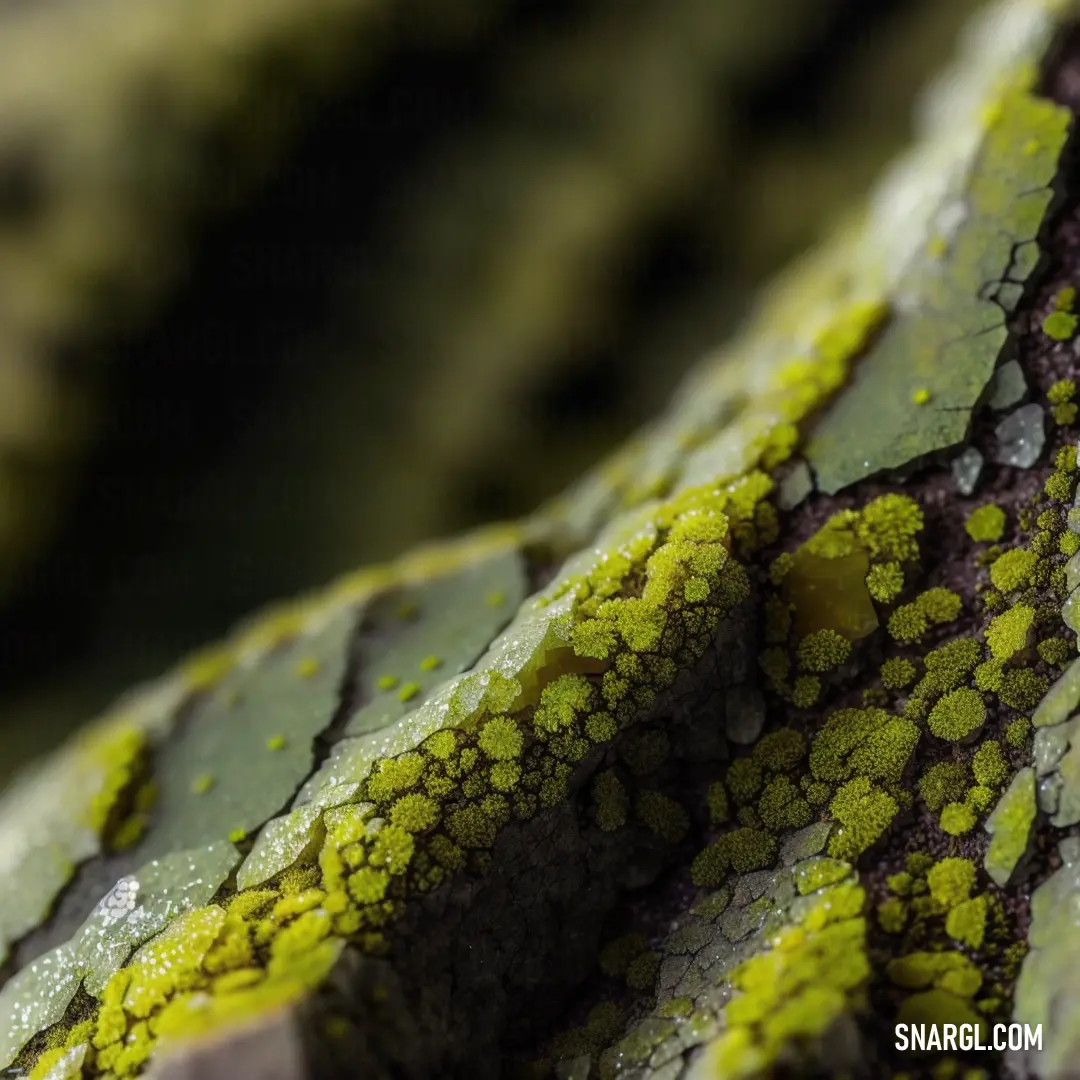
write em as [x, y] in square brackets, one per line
[612, 802]
[501, 739]
[1058, 486]
[864, 813]
[943, 783]
[816, 873]
[897, 672]
[646, 751]
[1057, 651]
[988, 676]
[743, 850]
[717, 802]
[782, 805]
[641, 973]
[1059, 325]
[884, 753]
[958, 714]
[989, 765]
[797, 990]
[1016, 732]
[663, 815]
[744, 780]
[949, 665]
[986, 524]
[1008, 634]
[980, 798]
[957, 819]
[892, 915]
[887, 527]
[805, 691]
[951, 881]
[414, 813]
[966, 922]
[780, 751]
[945, 970]
[939, 605]
[1065, 415]
[908, 623]
[562, 701]
[822, 651]
[1013, 570]
[885, 582]
[1062, 391]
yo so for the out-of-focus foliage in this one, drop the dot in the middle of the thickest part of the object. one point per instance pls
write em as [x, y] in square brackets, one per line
[493, 213]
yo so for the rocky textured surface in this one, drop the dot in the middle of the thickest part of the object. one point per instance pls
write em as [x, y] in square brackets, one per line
[697, 772]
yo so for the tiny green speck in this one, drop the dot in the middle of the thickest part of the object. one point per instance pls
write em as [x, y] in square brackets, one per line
[430, 663]
[202, 784]
[1059, 325]
[386, 682]
[275, 742]
[408, 691]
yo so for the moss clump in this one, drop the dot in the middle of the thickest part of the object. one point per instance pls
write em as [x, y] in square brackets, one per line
[1013, 570]
[646, 751]
[951, 881]
[1009, 634]
[1016, 732]
[958, 714]
[562, 701]
[1022, 688]
[988, 676]
[887, 527]
[1064, 415]
[950, 971]
[742, 850]
[716, 801]
[908, 623]
[863, 741]
[1059, 325]
[986, 524]
[896, 673]
[864, 812]
[641, 974]
[501, 739]
[948, 666]
[780, 751]
[782, 805]
[943, 783]
[966, 922]
[1057, 651]
[805, 691]
[823, 650]
[612, 801]
[1064, 390]
[892, 915]
[663, 815]
[885, 582]
[744, 780]
[957, 819]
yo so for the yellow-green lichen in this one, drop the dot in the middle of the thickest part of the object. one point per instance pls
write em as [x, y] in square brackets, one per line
[986, 524]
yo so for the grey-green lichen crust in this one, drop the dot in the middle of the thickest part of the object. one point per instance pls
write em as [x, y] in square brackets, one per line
[424, 764]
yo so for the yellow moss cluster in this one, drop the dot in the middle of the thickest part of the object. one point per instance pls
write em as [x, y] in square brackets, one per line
[814, 973]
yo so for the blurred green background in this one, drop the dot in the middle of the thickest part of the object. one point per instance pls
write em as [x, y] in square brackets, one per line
[288, 286]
